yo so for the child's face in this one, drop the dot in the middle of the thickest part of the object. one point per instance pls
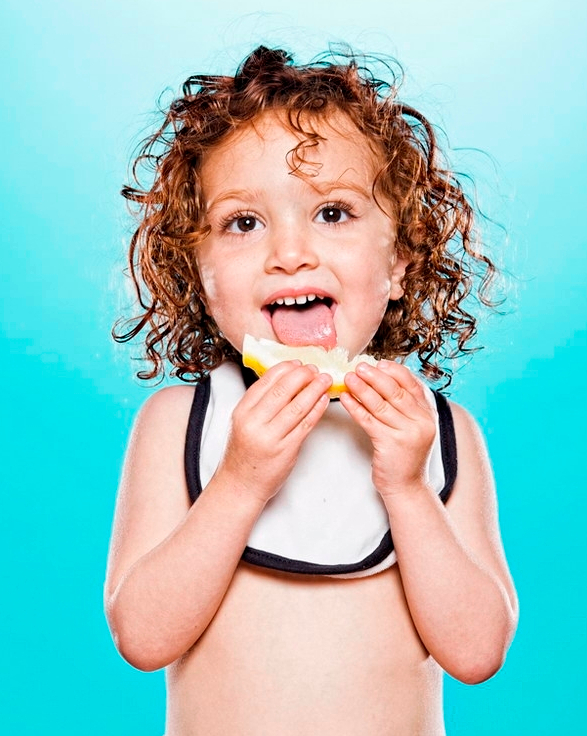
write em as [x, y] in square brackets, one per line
[279, 235]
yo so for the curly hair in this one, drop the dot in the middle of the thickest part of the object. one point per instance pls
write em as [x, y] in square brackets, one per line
[434, 218]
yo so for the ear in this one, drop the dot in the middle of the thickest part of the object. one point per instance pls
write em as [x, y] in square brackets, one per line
[398, 272]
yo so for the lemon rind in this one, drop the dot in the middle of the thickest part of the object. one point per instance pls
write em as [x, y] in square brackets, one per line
[338, 386]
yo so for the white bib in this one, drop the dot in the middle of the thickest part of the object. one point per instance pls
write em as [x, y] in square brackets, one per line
[327, 518]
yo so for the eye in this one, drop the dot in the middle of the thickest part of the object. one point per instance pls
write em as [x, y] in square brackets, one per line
[334, 214]
[241, 222]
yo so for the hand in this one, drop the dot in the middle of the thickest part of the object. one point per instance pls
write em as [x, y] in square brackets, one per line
[389, 403]
[269, 425]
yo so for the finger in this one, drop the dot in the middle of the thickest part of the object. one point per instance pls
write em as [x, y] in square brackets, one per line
[377, 406]
[387, 392]
[357, 411]
[280, 392]
[300, 412]
[259, 388]
[405, 378]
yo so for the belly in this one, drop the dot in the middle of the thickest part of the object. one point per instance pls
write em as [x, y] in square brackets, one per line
[297, 655]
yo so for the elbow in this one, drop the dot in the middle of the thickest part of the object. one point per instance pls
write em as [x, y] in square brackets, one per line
[486, 657]
[481, 664]
[475, 672]
[137, 656]
[137, 649]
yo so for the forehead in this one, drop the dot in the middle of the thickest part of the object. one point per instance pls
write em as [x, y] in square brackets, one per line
[327, 148]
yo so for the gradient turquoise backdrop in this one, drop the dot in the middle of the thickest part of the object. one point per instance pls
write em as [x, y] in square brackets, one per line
[79, 80]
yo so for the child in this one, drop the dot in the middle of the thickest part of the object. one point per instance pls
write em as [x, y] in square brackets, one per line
[251, 551]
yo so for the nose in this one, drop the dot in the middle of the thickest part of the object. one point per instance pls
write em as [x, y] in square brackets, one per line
[291, 248]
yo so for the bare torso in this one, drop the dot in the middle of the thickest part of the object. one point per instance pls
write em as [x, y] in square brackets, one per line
[293, 655]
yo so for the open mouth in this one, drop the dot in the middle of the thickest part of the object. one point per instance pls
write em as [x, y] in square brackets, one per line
[304, 319]
[304, 301]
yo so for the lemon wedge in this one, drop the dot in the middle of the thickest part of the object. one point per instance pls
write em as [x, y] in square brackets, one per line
[260, 355]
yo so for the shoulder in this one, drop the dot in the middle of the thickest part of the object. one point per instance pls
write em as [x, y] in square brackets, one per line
[471, 446]
[462, 417]
[464, 423]
[473, 501]
[159, 430]
[167, 410]
[163, 416]
[171, 400]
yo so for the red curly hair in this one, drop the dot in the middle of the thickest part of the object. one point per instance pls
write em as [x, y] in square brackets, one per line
[435, 220]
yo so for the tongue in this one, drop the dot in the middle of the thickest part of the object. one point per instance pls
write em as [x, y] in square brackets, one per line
[311, 325]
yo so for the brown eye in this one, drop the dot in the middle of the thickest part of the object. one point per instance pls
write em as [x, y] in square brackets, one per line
[246, 224]
[333, 215]
[242, 223]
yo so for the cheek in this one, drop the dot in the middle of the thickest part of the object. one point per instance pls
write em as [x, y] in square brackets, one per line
[381, 288]
[379, 284]
[382, 261]
[388, 266]
[379, 298]
[214, 297]
[209, 282]
[222, 299]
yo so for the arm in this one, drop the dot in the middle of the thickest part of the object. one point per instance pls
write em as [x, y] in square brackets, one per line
[170, 564]
[451, 560]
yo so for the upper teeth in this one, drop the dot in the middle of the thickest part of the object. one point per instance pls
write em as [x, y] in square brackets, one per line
[289, 300]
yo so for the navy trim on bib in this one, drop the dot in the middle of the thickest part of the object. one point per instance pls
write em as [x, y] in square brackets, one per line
[448, 444]
[193, 442]
[285, 564]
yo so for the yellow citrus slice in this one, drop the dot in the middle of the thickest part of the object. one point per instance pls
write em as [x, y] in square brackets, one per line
[260, 355]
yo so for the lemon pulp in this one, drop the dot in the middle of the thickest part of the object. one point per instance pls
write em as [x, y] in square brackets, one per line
[262, 354]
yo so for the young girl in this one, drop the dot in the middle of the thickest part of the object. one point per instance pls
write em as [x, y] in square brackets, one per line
[252, 554]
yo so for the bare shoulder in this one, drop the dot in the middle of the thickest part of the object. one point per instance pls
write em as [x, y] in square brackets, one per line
[474, 487]
[156, 445]
[473, 502]
[152, 495]
[158, 435]
[466, 427]
[167, 405]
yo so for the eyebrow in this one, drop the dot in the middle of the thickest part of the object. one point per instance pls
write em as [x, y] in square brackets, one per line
[324, 188]
[248, 194]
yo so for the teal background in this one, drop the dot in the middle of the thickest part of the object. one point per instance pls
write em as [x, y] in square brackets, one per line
[79, 81]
